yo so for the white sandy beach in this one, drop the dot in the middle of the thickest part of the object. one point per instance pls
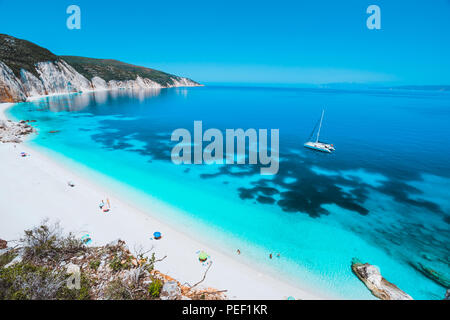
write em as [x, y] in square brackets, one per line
[35, 187]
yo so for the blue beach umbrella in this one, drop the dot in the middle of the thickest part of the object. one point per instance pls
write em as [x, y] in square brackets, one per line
[86, 239]
[157, 235]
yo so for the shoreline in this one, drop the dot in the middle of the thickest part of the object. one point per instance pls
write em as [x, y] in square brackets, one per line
[34, 98]
[42, 181]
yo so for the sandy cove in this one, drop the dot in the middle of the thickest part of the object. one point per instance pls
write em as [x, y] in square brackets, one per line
[36, 187]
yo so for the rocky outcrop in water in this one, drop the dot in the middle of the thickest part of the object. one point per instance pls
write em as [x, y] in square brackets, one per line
[14, 132]
[432, 274]
[374, 281]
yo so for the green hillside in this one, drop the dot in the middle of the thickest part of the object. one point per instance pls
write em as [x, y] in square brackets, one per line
[21, 54]
[108, 69]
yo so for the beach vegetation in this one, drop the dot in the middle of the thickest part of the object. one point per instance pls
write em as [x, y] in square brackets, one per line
[154, 288]
[7, 257]
[115, 264]
[119, 262]
[27, 281]
[118, 290]
[94, 264]
[150, 263]
[83, 293]
[42, 267]
[48, 243]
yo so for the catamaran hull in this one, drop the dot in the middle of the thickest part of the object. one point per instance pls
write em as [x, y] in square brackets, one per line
[322, 147]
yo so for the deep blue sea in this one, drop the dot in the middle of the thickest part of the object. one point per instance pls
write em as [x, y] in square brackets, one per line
[382, 197]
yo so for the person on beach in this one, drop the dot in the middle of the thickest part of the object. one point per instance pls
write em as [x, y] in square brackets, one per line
[101, 205]
[270, 255]
[238, 251]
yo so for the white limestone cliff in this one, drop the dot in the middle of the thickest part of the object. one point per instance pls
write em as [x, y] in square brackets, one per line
[99, 84]
[58, 77]
[32, 85]
[11, 88]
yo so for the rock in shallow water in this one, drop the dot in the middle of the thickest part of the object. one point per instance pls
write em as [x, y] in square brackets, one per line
[432, 274]
[379, 286]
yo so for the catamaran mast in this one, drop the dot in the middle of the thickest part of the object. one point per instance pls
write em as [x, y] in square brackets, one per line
[320, 126]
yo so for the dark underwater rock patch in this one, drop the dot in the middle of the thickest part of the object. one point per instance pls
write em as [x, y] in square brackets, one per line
[265, 200]
[307, 194]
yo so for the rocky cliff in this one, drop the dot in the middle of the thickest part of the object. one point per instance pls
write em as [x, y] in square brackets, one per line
[27, 70]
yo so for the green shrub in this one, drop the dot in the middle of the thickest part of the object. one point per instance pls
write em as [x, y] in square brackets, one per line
[47, 242]
[117, 290]
[94, 264]
[84, 293]
[7, 257]
[26, 281]
[154, 289]
[151, 263]
[31, 282]
[117, 265]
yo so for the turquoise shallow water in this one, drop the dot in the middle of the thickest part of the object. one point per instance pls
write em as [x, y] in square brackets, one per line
[382, 197]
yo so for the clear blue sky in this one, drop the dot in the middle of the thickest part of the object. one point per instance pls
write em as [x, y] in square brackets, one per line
[250, 41]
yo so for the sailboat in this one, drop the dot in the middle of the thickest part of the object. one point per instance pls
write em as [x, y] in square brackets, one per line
[317, 145]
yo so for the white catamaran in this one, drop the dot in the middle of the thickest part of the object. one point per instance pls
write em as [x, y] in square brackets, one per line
[317, 145]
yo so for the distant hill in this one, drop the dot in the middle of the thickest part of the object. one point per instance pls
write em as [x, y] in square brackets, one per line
[424, 87]
[28, 70]
[365, 86]
[109, 69]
